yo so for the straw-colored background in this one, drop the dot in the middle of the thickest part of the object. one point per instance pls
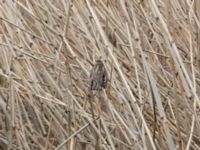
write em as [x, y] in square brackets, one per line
[151, 50]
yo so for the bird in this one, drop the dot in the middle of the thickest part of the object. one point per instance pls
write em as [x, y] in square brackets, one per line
[98, 76]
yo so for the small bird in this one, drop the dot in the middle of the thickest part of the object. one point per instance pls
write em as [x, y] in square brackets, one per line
[98, 76]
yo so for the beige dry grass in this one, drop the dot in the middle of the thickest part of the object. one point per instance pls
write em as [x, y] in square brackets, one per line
[151, 50]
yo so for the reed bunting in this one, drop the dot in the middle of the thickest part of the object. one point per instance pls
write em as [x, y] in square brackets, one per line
[98, 76]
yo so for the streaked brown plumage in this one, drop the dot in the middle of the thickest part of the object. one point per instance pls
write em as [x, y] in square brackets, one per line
[98, 76]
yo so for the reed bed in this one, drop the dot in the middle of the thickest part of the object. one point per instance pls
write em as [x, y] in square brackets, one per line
[151, 51]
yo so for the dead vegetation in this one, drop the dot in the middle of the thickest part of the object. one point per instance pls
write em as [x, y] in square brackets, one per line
[151, 52]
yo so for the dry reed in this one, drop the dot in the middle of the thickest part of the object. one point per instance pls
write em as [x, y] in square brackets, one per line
[151, 51]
